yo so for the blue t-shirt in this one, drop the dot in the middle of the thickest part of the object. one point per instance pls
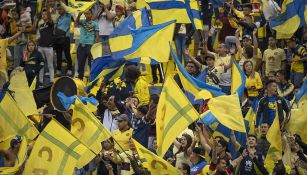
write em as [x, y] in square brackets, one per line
[88, 32]
[272, 109]
[63, 23]
[198, 168]
[141, 131]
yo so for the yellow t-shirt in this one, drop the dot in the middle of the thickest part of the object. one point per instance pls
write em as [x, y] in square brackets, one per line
[3, 45]
[122, 138]
[299, 53]
[254, 60]
[256, 81]
[273, 59]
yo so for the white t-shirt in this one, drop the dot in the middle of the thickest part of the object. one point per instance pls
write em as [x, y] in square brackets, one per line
[105, 26]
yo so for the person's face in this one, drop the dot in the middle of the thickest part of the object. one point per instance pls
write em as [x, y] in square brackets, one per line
[248, 19]
[210, 62]
[251, 141]
[305, 35]
[246, 11]
[222, 165]
[271, 76]
[111, 104]
[291, 44]
[190, 68]
[194, 158]
[44, 16]
[279, 77]
[221, 49]
[107, 145]
[247, 42]
[183, 141]
[15, 15]
[31, 47]
[122, 124]
[180, 168]
[272, 89]
[272, 42]
[264, 129]
[248, 67]
[88, 15]
[135, 101]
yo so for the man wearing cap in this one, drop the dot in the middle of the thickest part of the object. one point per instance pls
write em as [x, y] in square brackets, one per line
[298, 61]
[11, 155]
[123, 134]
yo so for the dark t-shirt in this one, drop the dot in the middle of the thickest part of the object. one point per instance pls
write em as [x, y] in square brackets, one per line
[46, 38]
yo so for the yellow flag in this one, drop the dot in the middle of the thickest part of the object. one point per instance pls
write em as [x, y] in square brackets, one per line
[154, 163]
[22, 155]
[274, 138]
[13, 121]
[33, 84]
[56, 151]
[86, 127]
[74, 7]
[227, 111]
[174, 114]
[251, 118]
[22, 93]
[298, 121]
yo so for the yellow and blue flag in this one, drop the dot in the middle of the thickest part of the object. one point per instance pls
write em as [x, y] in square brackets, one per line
[298, 122]
[238, 79]
[121, 38]
[56, 151]
[174, 109]
[169, 10]
[74, 7]
[302, 92]
[191, 84]
[293, 14]
[194, 14]
[154, 163]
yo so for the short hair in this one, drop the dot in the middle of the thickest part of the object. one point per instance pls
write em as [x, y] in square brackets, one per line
[191, 63]
[143, 109]
[252, 135]
[222, 141]
[270, 82]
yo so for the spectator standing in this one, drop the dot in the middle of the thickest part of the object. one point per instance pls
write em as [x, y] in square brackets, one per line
[285, 88]
[253, 80]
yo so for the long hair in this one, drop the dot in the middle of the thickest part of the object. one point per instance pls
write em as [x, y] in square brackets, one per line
[184, 149]
[33, 42]
[252, 75]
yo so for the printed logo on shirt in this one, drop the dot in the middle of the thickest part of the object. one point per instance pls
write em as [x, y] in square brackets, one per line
[272, 105]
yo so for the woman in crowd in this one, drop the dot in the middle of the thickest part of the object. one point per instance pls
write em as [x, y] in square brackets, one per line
[253, 80]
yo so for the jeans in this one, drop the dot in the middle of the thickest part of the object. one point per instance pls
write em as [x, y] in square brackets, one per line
[180, 46]
[230, 40]
[47, 53]
[83, 53]
[105, 44]
[65, 46]
[297, 78]
[18, 54]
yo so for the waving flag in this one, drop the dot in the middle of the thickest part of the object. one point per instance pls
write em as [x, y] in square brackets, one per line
[293, 14]
[238, 79]
[302, 92]
[174, 109]
[193, 11]
[121, 39]
[168, 10]
[90, 102]
[192, 84]
[74, 7]
[298, 122]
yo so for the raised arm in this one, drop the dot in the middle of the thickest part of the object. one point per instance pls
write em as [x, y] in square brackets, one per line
[232, 58]
[234, 140]
[203, 140]
[198, 64]
[78, 18]
[12, 38]
[255, 43]
[238, 44]
[110, 16]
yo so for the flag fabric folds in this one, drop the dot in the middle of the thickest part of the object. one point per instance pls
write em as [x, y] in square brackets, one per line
[274, 138]
[77, 6]
[87, 128]
[90, 102]
[193, 11]
[168, 10]
[192, 84]
[56, 151]
[238, 79]
[154, 163]
[174, 114]
[13, 121]
[227, 110]
[302, 92]
[298, 122]
[19, 85]
[293, 14]
[121, 38]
